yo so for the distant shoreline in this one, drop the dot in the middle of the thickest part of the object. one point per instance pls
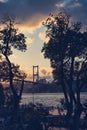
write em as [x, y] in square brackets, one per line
[48, 92]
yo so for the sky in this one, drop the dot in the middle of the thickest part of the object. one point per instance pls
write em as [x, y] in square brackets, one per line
[30, 14]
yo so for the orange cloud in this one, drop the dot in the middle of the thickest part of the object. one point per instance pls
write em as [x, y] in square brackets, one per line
[43, 73]
[29, 41]
[43, 37]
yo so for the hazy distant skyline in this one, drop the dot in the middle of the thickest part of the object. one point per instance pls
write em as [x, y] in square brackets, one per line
[30, 14]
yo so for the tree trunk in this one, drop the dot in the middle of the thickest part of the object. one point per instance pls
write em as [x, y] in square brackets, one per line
[21, 90]
[70, 89]
[76, 118]
[18, 97]
[69, 111]
[10, 76]
[63, 84]
[15, 96]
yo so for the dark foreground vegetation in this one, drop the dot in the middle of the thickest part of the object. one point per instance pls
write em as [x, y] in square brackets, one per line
[36, 117]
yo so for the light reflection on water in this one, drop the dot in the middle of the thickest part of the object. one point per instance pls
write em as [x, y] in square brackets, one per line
[48, 99]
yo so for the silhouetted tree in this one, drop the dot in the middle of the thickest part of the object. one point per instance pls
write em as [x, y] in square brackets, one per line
[18, 76]
[10, 38]
[4, 72]
[67, 51]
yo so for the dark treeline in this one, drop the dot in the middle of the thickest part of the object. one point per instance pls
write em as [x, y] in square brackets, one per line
[46, 88]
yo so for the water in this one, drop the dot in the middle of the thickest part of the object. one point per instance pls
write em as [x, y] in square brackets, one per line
[48, 99]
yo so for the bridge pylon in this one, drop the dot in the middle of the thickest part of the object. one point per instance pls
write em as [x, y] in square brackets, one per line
[35, 73]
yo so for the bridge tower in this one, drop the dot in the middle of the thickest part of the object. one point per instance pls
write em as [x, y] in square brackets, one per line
[35, 73]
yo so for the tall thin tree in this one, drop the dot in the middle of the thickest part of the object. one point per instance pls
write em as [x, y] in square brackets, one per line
[10, 38]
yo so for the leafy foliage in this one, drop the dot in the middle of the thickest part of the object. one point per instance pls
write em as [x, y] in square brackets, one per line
[4, 71]
[67, 51]
[66, 42]
[9, 39]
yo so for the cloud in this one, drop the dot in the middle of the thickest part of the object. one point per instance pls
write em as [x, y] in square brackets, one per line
[13, 57]
[76, 8]
[29, 41]
[32, 12]
[2, 1]
[43, 37]
[77, 4]
[25, 10]
[25, 29]
[44, 72]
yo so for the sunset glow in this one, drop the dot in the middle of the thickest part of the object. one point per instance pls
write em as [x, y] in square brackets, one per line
[29, 15]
